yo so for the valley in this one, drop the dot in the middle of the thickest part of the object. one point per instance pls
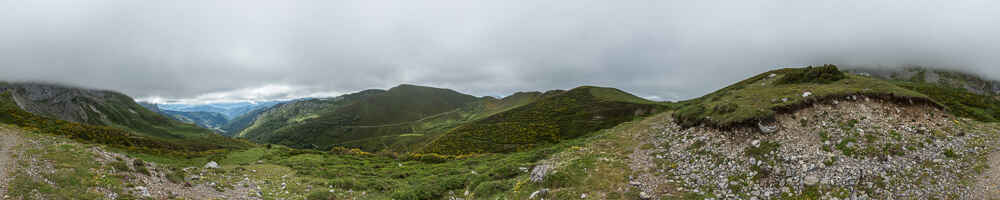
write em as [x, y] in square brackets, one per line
[795, 133]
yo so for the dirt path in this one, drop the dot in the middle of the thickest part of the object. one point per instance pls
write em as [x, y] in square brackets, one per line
[989, 182]
[8, 140]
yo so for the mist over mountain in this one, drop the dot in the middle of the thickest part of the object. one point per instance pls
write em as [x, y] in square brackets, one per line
[670, 50]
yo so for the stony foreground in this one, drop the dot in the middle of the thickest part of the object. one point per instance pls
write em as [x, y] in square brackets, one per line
[840, 150]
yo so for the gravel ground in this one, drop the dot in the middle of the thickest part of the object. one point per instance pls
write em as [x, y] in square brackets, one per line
[845, 150]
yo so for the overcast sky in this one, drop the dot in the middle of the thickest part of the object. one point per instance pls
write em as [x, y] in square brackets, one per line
[202, 50]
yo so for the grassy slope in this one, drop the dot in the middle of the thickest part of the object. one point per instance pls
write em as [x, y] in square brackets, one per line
[356, 117]
[423, 130]
[549, 120]
[121, 111]
[238, 124]
[760, 97]
[592, 164]
[959, 101]
[10, 113]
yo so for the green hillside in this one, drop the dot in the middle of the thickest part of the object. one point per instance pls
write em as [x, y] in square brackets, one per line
[351, 118]
[101, 108]
[10, 113]
[417, 133]
[236, 125]
[209, 120]
[758, 98]
[549, 120]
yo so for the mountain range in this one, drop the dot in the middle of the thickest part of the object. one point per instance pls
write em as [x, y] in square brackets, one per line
[815, 132]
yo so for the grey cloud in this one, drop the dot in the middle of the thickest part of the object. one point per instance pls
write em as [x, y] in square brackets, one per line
[190, 49]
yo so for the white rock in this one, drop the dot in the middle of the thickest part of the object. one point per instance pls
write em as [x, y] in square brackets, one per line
[583, 196]
[807, 94]
[767, 129]
[143, 191]
[644, 195]
[212, 165]
[772, 75]
[534, 194]
[755, 143]
[539, 172]
[811, 180]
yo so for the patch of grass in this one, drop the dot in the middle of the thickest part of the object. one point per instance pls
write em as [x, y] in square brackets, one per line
[488, 189]
[895, 135]
[763, 151]
[894, 149]
[121, 166]
[70, 178]
[948, 153]
[140, 167]
[176, 176]
[696, 145]
[845, 145]
[830, 162]
[321, 195]
[959, 101]
[870, 138]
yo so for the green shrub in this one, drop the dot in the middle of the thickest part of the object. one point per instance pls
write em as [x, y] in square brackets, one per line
[506, 171]
[822, 75]
[950, 153]
[844, 147]
[763, 151]
[557, 179]
[690, 115]
[488, 189]
[140, 166]
[725, 108]
[176, 176]
[321, 195]
[121, 166]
